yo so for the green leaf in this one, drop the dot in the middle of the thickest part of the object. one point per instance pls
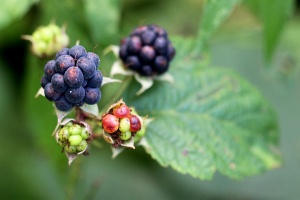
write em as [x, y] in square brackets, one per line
[13, 9]
[274, 14]
[210, 120]
[103, 17]
[215, 13]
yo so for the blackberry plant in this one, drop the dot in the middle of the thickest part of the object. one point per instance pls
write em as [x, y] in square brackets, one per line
[193, 128]
[72, 79]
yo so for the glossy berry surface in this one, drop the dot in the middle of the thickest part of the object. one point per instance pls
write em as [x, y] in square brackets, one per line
[63, 104]
[49, 69]
[125, 135]
[140, 50]
[124, 125]
[94, 57]
[75, 140]
[50, 93]
[77, 51]
[121, 111]
[87, 67]
[110, 123]
[96, 80]
[72, 79]
[44, 81]
[75, 95]
[63, 63]
[58, 82]
[63, 51]
[135, 123]
[92, 95]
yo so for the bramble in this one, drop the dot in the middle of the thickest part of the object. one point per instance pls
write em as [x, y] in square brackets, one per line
[147, 50]
[72, 79]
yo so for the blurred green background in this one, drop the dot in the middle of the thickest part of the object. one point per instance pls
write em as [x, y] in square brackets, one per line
[32, 166]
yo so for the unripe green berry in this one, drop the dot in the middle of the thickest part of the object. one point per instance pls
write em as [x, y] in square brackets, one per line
[61, 143]
[141, 132]
[125, 135]
[70, 149]
[75, 129]
[75, 140]
[84, 134]
[69, 124]
[47, 40]
[64, 133]
[81, 146]
[124, 125]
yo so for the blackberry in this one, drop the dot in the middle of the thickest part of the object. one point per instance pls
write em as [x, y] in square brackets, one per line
[161, 45]
[63, 62]
[44, 81]
[75, 95]
[134, 45]
[63, 51]
[58, 82]
[77, 51]
[148, 37]
[133, 62]
[50, 93]
[160, 64]
[94, 57]
[92, 95]
[147, 54]
[49, 69]
[87, 67]
[147, 50]
[72, 79]
[96, 80]
[63, 104]
[146, 70]
[84, 83]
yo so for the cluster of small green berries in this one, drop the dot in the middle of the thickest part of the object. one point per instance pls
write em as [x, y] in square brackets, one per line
[47, 40]
[122, 124]
[73, 137]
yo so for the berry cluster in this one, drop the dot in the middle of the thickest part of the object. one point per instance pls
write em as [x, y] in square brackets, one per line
[72, 79]
[73, 138]
[121, 123]
[47, 40]
[147, 50]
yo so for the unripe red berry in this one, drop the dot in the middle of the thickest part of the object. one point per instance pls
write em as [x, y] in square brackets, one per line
[110, 123]
[135, 123]
[121, 111]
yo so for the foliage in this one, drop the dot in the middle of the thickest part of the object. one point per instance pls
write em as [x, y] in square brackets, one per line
[211, 119]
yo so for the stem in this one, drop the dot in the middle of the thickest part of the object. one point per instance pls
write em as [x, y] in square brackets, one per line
[73, 179]
[94, 188]
[117, 95]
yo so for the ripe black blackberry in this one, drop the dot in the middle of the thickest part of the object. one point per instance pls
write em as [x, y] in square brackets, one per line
[72, 79]
[147, 50]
